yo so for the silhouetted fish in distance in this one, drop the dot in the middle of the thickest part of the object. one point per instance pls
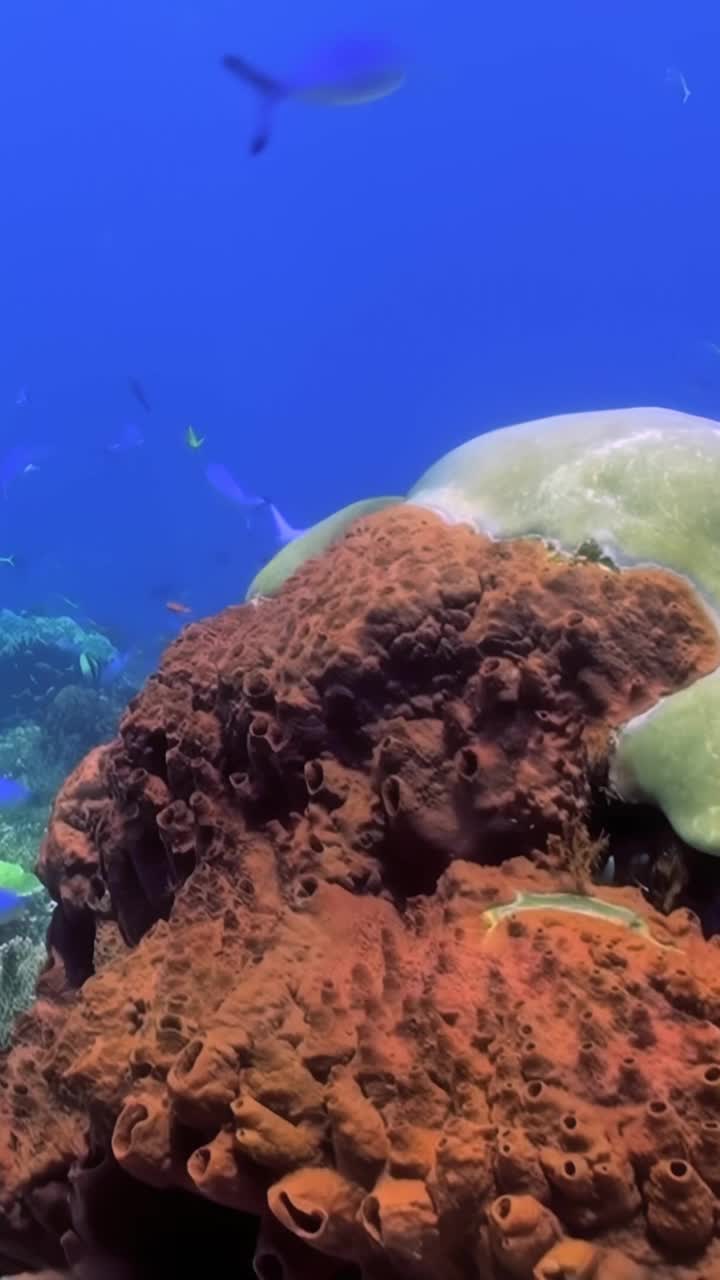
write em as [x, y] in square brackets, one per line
[350, 71]
[226, 484]
[138, 391]
[224, 481]
[20, 459]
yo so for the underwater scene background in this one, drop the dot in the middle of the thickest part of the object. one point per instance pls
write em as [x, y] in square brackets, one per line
[262, 262]
[528, 226]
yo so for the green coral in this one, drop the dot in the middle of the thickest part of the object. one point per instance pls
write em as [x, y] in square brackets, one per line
[670, 756]
[641, 483]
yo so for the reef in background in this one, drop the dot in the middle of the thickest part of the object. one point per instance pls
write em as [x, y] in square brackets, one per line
[331, 983]
[61, 692]
[55, 704]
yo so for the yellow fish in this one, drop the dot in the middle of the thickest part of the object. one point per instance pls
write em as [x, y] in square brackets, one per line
[192, 440]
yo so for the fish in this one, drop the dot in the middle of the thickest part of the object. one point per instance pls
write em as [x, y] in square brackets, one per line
[11, 905]
[224, 481]
[675, 77]
[88, 666]
[138, 391]
[353, 70]
[111, 671]
[192, 440]
[9, 560]
[175, 606]
[13, 793]
[20, 460]
[95, 670]
[22, 399]
[130, 437]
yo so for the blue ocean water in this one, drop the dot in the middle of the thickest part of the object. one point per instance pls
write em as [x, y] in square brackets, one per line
[530, 225]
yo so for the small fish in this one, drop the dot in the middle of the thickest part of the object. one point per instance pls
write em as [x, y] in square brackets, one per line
[13, 793]
[10, 560]
[20, 460]
[138, 391]
[175, 606]
[350, 71]
[22, 399]
[192, 440]
[11, 905]
[113, 669]
[226, 484]
[88, 666]
[675, 77]
[130, 437]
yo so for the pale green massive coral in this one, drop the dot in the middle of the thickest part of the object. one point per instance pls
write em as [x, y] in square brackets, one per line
[671, 757]
[643, 483]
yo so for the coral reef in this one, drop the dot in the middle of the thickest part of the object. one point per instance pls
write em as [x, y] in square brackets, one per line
[669, 756]
[327, 955]
[52, 710]
[54, 702]
[454, 697]
[22, 940]
[21, 959]
[40, 655]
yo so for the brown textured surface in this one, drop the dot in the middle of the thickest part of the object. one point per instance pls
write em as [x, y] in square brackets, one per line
[379, 1076]
[420, 692]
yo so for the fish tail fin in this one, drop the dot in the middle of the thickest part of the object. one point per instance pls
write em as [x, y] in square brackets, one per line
[271, 92]
[284, 532]
[259, 80]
